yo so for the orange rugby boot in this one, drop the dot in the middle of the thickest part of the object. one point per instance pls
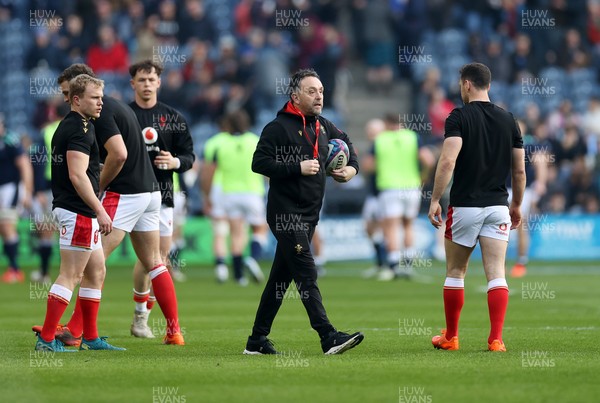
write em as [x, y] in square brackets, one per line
[496, 345]
[175, 338]
[440, 342]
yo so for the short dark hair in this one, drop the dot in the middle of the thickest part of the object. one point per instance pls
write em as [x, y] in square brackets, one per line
[477, 73]
[298, 76]
[146, 66]
[73, 71]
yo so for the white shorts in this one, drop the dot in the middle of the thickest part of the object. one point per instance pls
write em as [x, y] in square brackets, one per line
[370, 210]
[250, 207]
[11, 197]
[133, 212]
[77, 232]
[180, 209]
[529, 197]
[399, 203]
[166, 221]
[216, 199]
[465, 225]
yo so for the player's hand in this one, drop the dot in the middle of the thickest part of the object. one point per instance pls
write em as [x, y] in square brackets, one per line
[104, 222]
[309, 167]
[515, 216]
[343, 174]
[435, 214]
[165, 161]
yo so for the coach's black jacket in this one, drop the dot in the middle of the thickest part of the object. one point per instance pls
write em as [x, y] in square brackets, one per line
[282, 146]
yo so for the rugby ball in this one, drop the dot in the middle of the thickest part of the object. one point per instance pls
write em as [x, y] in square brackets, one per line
[338, 155]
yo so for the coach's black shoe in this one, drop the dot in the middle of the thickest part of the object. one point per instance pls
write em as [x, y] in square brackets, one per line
[259, 346]
[338, 342]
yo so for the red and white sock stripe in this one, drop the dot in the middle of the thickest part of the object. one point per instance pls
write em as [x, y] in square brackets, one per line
[454, 283]
[61, 293]
[91, 294]
[497, 283]
[141, 296]
[157, 271]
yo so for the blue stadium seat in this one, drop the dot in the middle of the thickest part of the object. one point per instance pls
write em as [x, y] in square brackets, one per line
[452, 42]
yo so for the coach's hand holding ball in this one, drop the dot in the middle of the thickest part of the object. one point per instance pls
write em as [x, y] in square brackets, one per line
[309, 167]
[164, 161]
[343, 174]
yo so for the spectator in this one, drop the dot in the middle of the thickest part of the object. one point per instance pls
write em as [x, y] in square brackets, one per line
[109, 54]
[573, 54]
[591, 119]
[167, 28]
[45, 52]
[195, 23]
[523, 60]
[496, 59]
[570, 151]
[73, 41]
[439, 109]
[563, 116]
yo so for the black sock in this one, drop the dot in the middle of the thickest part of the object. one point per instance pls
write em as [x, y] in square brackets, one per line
[10, 250]
[45, 254]
[237, 267]
[219, 260]
[380, 253]
[255, 250]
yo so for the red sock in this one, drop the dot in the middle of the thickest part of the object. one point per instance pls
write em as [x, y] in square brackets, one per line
[58, 300]
[164, 291]
[75, 325]
[150, 303]
[497, 303]
[454, 299]
[140, 298]
[90, 304]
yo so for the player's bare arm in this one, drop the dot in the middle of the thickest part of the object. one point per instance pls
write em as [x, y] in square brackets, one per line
[518, 186]
[115, 159]
[450, 150]
[77, 163]
[540, 163]
[207, 173]
[26, 171]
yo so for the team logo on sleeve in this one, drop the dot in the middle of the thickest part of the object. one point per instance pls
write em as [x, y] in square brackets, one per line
[150, 135]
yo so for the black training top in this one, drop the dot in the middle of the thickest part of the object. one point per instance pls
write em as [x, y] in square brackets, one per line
[284, 143]
[137, 175]
[76, 134]
[489, 134]
[165, 129]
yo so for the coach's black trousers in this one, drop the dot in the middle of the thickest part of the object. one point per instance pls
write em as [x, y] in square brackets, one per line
[293, 261]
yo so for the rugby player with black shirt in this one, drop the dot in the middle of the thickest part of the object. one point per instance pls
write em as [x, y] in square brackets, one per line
[171, 149]
[482, 147]
[130, 196]
[80, 216]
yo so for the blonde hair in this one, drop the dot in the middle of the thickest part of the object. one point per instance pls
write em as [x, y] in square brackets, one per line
[78, 85]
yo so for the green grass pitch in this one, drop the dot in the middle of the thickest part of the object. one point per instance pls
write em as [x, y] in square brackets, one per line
[552, 334]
